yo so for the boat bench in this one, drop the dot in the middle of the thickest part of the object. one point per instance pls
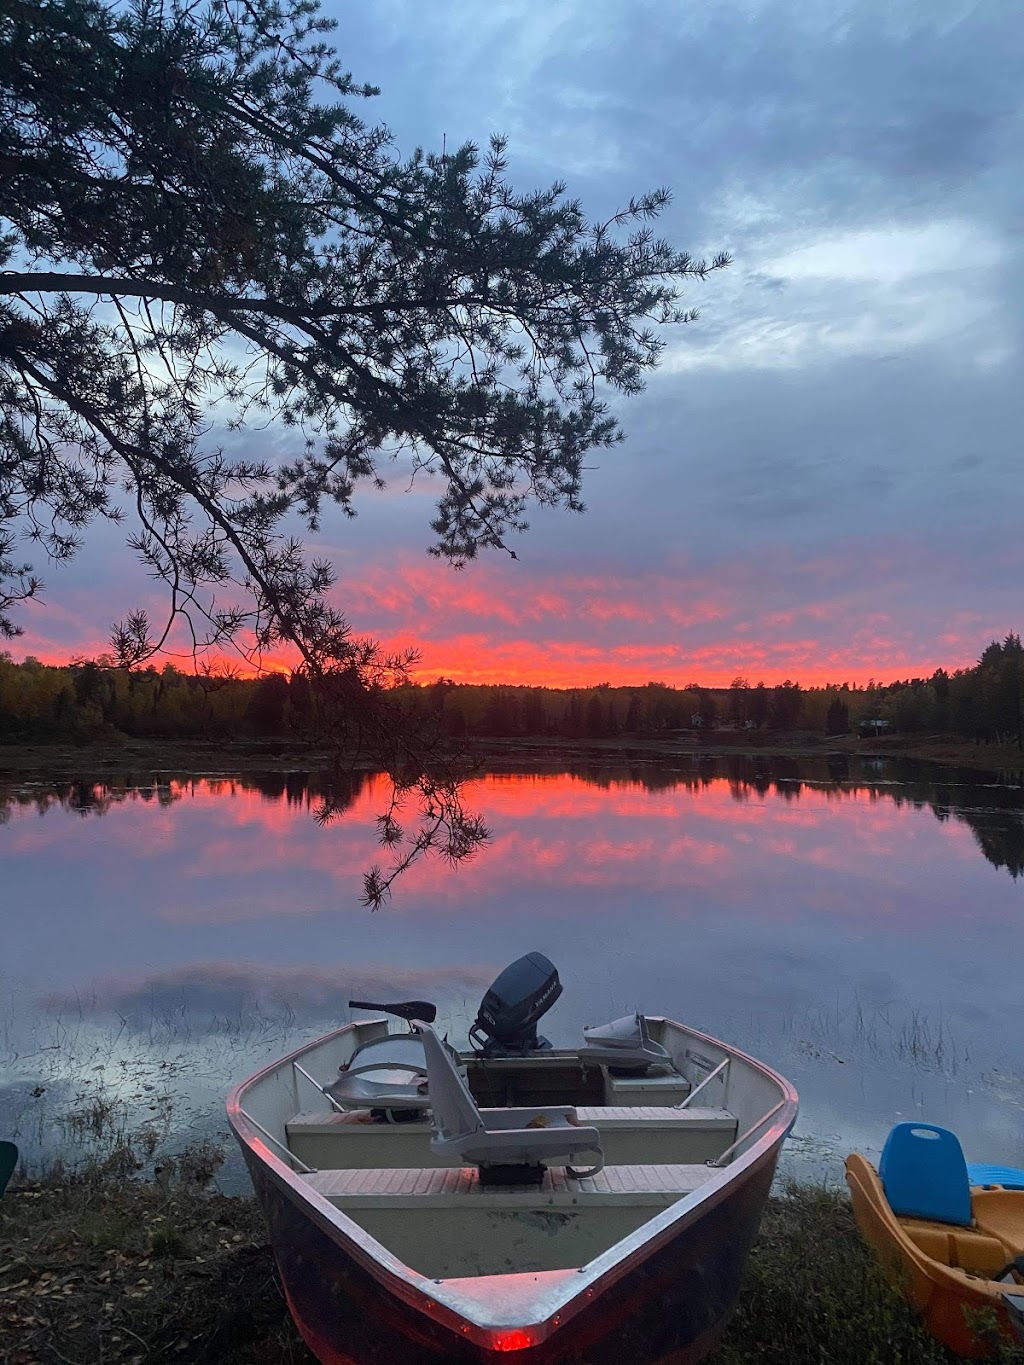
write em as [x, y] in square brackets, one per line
[612, 1117]
[630, 1134]
[650, 1187]
[970, 1249]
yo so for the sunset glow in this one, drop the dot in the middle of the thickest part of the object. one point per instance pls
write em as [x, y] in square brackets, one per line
[493, 624]
[817, 483]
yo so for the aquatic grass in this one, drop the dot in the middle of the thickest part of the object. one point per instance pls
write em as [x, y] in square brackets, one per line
[896, 1031]
[101, 1117]
[88, 1076]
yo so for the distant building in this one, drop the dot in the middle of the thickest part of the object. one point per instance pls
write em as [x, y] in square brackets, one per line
[867, 729]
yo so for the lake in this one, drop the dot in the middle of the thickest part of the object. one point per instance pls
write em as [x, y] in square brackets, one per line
[858, 924]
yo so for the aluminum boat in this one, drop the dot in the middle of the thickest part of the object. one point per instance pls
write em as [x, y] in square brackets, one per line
[592, 1205]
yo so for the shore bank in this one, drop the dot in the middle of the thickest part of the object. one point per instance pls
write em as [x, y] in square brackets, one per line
[279, 755]
[100, 1267]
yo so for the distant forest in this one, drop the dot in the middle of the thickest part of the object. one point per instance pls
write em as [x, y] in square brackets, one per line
[89, 699]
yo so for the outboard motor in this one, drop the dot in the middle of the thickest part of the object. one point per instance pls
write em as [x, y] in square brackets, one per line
[506, 1023]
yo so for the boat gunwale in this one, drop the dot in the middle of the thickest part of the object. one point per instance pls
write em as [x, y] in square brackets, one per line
[569, 1290]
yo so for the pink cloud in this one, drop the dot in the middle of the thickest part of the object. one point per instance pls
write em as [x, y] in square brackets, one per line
[848, 615]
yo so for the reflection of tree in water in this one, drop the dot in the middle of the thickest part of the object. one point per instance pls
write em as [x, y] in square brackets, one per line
[838, 766]
[994, 812]
[303, 790]
[87, 797]
[1002, 844]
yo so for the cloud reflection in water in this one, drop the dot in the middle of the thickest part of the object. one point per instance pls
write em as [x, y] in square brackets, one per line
[839, 923]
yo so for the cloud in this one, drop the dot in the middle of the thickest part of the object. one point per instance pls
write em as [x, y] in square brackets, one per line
[889, 256]
[883, 289]
[827, 462]
[896, 607]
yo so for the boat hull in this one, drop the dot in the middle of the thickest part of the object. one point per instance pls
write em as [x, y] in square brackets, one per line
[670, 1304]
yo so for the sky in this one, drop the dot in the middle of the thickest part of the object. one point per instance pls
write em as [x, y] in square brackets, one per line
[823, 479]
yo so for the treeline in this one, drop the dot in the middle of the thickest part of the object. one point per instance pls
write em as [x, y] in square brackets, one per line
[87, 700]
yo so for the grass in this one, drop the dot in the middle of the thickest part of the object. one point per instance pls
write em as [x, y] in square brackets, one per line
[890, 1032]
[814, 1295]
[99, 1267]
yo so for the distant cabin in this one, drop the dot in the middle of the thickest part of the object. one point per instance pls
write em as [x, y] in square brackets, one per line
[868, 728]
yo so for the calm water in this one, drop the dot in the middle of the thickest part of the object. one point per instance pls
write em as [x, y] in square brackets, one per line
[859, 927]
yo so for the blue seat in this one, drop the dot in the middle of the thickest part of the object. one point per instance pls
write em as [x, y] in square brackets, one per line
[1010, 1177]
[924, 1174]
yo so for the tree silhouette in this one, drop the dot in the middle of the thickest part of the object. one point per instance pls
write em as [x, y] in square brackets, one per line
[837, 720]
[192, 241]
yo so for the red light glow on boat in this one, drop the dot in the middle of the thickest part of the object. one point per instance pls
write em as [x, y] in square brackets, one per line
[512, 1341]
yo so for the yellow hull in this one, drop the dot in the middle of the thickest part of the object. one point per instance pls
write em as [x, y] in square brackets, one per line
[942, 1269]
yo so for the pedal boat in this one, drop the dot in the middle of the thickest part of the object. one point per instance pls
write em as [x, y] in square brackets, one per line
[953, 1248]
[540, 1203]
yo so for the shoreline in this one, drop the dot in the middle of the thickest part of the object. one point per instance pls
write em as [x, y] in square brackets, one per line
[105, 1266]
[521, 752]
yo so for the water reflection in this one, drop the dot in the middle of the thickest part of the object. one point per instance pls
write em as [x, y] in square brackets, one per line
[173, 931]
[993, 811]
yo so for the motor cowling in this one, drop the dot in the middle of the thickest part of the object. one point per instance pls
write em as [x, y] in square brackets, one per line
[506, 1022]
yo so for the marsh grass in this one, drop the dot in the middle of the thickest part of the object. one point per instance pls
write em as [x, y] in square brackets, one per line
[895, 1032]
[84, 1083]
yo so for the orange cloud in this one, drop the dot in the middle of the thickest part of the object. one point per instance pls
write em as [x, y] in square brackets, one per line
[497, 623]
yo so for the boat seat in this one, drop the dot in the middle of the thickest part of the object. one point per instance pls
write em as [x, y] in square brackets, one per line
[960, 1248]
[629, 1135]
[613, 1116]
[459, 1187]
[610, 1117]
[624, 1042]
[499, 1137]
[924, 1174]
[384, 1073]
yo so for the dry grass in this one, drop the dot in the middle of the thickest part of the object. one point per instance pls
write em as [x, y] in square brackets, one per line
[97, 1267]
